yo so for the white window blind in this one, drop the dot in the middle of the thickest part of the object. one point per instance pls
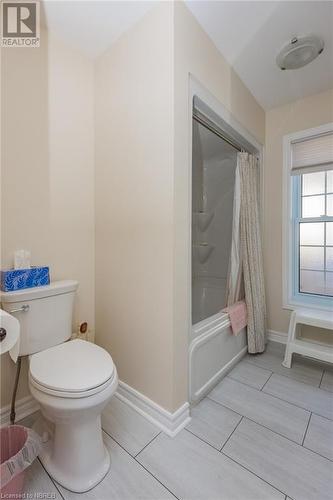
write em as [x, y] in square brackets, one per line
[312, 155]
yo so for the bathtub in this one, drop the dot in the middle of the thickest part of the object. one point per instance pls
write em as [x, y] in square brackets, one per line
[214, 350]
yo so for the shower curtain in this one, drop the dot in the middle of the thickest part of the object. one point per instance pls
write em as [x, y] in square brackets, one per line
[235, 274]
[246, 275]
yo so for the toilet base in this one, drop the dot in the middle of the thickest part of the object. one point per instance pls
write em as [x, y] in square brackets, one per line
[67, 480]
[73, 451]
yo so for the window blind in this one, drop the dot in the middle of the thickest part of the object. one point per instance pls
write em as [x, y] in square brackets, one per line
[312, 155]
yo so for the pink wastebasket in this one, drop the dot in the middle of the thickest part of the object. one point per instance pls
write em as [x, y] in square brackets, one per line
[19, 446]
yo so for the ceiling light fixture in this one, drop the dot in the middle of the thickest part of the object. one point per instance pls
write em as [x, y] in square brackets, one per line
[299, 52]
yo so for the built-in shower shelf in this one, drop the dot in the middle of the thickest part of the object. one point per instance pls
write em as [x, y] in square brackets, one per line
[203, 220]
[203, 251]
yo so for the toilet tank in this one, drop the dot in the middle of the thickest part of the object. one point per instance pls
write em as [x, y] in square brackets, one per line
[45, 314]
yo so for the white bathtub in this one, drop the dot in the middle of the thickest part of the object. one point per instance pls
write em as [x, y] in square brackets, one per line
[214, 350]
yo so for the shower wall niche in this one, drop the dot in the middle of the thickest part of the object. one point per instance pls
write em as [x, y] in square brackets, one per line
[213, 180]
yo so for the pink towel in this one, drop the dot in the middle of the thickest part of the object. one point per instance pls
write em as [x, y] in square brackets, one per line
[238, 316]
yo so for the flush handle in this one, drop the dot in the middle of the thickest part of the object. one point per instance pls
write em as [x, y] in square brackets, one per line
[24, 308]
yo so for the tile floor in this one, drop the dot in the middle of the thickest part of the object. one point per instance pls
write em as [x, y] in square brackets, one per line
[263, 433]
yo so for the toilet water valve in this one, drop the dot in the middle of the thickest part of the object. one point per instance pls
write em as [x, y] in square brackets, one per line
[83, 327]
[83, 330]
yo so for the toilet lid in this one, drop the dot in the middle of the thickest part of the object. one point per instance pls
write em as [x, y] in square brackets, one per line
[74, 366]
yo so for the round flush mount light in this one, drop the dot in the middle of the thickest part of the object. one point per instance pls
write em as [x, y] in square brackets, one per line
[299, 52]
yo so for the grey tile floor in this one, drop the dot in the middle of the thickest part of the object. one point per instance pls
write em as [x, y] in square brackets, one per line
[263, 433]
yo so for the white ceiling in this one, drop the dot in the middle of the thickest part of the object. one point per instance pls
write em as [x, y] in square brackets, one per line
[250, 34]
[92, 25]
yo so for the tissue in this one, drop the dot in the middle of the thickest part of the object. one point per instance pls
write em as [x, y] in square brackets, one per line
[22, 259]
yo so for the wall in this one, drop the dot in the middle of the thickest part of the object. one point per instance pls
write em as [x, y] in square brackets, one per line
[300, 115]
[47, 196]
[196, 54]
[134, 197]
[143, 193]
[142, 183]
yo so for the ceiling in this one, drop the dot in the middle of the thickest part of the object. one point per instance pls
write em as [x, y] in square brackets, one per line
[92, 25]
[250, 34]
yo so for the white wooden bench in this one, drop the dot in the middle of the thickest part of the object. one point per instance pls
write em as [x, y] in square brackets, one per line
[312, 317]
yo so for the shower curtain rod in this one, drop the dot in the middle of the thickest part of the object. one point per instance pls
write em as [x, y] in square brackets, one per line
[207, 124]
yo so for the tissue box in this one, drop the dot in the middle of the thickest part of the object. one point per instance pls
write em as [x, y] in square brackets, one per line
[18, 279]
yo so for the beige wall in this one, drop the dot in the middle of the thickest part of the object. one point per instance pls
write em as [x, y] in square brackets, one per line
[47, 170]
[195, 54]
[143, 190]
[134, 204]
[142, 163]
[300, 115]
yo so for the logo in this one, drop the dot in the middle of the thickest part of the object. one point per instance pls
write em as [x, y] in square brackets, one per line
[20, 24]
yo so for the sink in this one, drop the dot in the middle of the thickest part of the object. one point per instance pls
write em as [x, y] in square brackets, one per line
[9, 331]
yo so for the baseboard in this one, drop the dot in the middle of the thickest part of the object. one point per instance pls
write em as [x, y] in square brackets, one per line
[170, 423]
[279, 337]
[23, 407]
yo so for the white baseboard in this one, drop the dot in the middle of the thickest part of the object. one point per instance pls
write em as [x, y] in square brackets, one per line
[23, 407]
[280, 337]
[170, 423]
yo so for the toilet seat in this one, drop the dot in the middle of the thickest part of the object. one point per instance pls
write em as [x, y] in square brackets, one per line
[74, 369]
[70, 395]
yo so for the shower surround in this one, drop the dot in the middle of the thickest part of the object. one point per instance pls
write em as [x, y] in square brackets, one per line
[212, 345]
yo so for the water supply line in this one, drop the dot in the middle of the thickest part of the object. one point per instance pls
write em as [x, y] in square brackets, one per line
[17, 376]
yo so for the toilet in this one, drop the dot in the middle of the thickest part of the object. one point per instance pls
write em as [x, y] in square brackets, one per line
[72, 380]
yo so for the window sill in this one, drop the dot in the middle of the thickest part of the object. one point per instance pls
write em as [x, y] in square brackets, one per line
[321, 303]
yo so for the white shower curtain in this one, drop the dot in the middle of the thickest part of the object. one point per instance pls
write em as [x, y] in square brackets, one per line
[246, 261]
[235, 273]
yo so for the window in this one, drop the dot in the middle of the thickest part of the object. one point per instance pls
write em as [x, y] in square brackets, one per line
[309, 231]
[314, 224]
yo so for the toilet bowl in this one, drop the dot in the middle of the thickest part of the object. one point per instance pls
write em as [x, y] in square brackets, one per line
[73, 382]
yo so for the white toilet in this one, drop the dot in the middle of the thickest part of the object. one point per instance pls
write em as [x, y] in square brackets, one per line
[72, 381]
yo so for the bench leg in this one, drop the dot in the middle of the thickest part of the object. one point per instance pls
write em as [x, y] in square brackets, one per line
[291, 336]
[287, 358]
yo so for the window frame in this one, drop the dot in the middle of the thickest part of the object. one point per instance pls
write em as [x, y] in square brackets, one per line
[291, 200]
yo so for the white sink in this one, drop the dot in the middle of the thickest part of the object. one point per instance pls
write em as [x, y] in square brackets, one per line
[12, 329]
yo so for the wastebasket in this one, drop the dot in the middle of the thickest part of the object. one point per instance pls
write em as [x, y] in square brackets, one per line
[19, 446]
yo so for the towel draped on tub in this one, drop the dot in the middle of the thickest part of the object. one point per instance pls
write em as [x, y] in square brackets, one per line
[237, 315]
